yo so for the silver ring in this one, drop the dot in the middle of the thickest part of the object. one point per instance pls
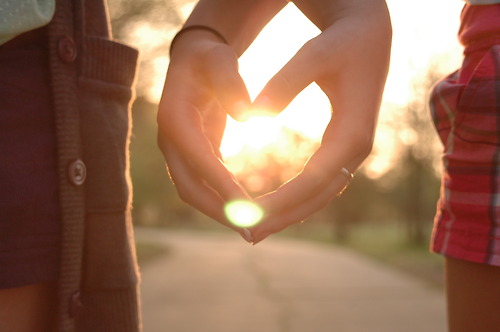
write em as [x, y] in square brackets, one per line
[345, 172]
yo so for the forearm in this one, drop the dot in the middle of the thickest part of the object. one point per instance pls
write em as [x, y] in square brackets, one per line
[239, 21]
[361, 30]
[324, 13]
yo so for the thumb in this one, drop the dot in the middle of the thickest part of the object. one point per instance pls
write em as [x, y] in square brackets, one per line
[285, 85]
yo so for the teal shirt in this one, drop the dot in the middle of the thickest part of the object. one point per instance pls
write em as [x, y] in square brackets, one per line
[18, 16]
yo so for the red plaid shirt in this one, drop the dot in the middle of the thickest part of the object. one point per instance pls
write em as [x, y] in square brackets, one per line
[465, 108]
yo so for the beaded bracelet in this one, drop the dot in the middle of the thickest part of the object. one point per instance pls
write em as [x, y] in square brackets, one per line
[196, 27]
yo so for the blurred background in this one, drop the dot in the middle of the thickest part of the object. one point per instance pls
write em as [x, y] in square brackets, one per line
[387, 211]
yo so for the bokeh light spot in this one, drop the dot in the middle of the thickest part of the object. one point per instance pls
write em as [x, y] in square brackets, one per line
[243, 213]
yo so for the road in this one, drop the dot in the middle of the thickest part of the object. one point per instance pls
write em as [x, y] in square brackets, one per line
[217, 282]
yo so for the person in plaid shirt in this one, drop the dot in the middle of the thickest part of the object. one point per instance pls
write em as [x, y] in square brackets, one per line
[465, 108]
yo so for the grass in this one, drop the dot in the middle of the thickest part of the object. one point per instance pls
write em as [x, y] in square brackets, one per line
[388, 244]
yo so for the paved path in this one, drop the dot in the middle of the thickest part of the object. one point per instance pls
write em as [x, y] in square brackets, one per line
[218, 283]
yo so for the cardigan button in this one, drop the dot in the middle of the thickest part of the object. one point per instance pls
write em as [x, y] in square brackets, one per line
[77, 172]
[75, 304]
[66, 49]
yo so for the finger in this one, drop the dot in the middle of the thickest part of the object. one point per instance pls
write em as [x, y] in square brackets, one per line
[277, 222]
[346, 143]
[195, 192]
[285, 85]
[228, 85]
[190, 188]
[214, 124]
[184, 129]
[318, 172]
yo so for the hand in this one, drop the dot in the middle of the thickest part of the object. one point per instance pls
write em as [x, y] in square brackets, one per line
[349, 61]
[201, 87]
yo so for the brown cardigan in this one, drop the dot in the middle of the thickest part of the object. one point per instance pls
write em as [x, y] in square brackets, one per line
[91, 78]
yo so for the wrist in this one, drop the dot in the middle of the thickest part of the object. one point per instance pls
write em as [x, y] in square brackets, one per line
[242, 25]
[192, 39]
[196, 30]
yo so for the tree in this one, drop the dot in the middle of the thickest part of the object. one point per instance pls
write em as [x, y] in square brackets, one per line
[148, 25]
[418, 184]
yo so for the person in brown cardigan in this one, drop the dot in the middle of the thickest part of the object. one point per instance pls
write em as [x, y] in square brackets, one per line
[66, 242]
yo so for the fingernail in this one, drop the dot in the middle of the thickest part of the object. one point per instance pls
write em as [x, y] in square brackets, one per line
[247, 235]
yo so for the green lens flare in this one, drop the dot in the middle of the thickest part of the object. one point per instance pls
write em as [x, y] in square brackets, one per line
[243, 213]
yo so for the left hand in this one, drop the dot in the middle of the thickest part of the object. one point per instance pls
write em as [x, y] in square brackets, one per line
[349, 61]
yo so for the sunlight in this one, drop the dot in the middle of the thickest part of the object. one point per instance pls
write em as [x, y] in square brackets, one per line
[380, 160]
[424, 34]
[258, 131]
[261, 151]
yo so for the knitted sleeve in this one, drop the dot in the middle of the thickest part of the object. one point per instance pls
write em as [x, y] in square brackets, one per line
[18, 16]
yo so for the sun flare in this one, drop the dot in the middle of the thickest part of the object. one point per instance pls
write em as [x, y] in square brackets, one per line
[243, 213]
